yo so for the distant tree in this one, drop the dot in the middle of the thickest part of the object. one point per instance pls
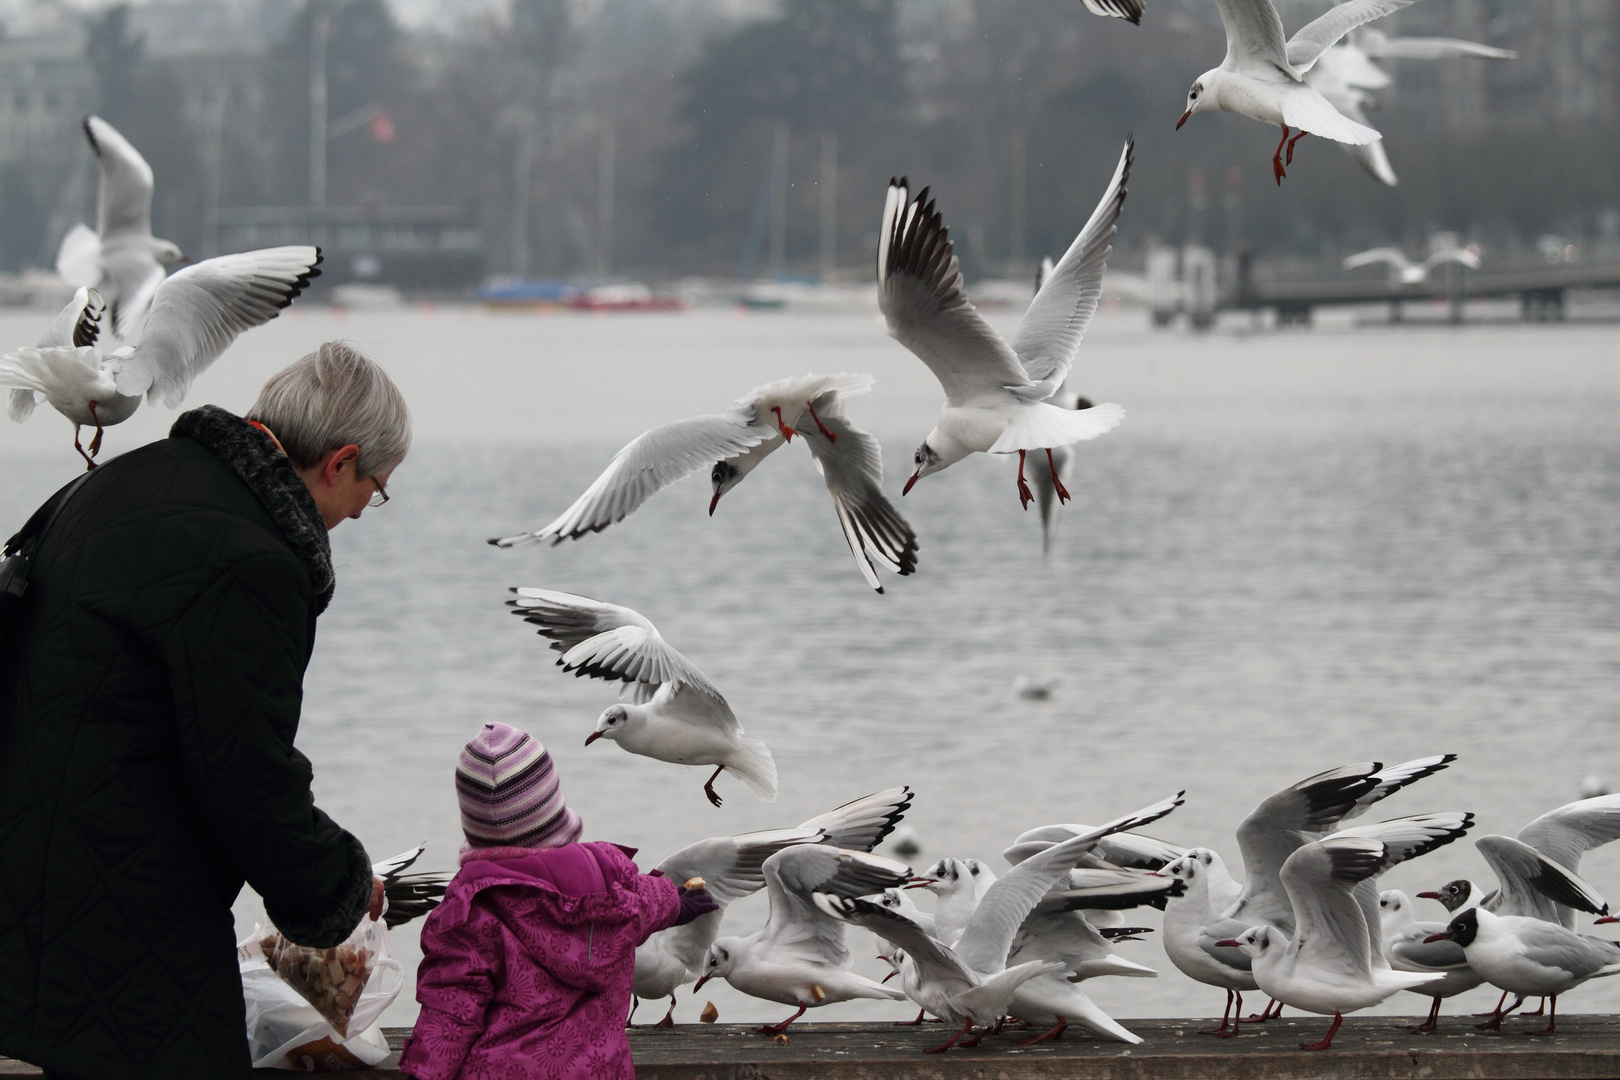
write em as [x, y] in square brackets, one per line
[823, 65]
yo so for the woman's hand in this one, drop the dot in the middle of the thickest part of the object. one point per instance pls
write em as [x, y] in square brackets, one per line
[376, 909]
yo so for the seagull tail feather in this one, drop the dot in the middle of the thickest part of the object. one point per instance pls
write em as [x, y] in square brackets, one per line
[752, 763]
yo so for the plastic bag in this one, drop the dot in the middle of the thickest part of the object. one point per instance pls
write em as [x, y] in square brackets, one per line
[305, 1023]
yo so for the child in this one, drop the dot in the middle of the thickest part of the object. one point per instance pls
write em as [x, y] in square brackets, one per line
[527, 964]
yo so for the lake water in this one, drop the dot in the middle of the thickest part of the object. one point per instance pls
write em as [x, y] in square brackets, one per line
[1301, 549]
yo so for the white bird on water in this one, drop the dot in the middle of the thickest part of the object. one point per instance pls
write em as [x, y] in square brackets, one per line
[732, 444]
[996, 396]
[194, 317]
[800, 958]
[674, 713]
[1263, 76]
[733, 867]
[121, 255]
[1326, 965]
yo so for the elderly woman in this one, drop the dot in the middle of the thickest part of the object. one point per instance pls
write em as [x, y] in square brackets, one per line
[149, 696]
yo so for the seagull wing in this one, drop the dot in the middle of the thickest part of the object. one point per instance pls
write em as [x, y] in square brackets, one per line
[1317, 36]
[1396, 777]
[1129, 10]
[1254, 33]
[921, 296]
[1383, 47]
[852, 468]
[125, 203]
[985, 942]
[1392, 256]
[1532, 884]
[1330, 927]
[796, 923]
[1408, 837]
[732, 867]
[861, 824]
[135, 279]
[199, 311]
[78, 257]
[78, 324]
[1565, 834]
[1050, 333]
[1283, 822]
[935, 961]
[1129, 850]
[605, 641]
[649, 463]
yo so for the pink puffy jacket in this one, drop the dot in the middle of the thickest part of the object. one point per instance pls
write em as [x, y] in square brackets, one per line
[526, 965]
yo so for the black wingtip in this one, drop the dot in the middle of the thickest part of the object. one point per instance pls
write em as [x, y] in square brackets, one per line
[90, 134]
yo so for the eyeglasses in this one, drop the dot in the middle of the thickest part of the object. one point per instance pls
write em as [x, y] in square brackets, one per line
[379, 496]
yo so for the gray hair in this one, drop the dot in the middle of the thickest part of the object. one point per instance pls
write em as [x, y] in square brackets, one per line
[332, 398]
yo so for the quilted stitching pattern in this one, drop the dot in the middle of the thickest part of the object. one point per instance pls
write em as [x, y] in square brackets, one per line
[147, 714]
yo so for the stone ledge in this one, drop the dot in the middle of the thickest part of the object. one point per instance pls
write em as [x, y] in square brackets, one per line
[1372, 1048]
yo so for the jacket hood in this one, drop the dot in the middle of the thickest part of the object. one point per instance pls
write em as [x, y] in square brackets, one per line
[573, 885]
[274, 482]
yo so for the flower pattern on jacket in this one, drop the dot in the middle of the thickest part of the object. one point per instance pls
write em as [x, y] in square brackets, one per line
[525, 979]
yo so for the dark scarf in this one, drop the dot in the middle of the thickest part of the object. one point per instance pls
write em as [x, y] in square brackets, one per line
[273, 481]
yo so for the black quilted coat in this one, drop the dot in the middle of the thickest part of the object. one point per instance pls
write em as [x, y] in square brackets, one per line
[148, 703]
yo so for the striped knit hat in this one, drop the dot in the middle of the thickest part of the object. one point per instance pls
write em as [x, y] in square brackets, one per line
[509, 792]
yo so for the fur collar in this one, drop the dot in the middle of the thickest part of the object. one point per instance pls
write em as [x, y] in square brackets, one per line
[274, 482]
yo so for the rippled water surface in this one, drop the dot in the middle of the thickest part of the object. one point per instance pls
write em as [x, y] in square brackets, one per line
[1300, 550]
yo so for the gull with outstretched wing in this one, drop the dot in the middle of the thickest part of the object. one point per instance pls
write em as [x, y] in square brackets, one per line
[799, 958]
[674, 713]
[1264, 77]
[194, 316]
[997, 396]
[120, 256]
[733, 867]
[732, 444]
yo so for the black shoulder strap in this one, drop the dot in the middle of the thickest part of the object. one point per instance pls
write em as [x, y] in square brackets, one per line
[19, 550]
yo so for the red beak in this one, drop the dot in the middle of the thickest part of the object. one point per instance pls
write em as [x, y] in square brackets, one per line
[1606, 919]
[918, 883]
[592, 737]
[889, 976]
[907, 489]
[1183, 119]
[1430, 896]
[1228, 941]
[699, 984]
[714, 502]
[1444, 935]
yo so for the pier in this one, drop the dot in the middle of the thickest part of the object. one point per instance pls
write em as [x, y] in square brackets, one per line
[1366, 1047]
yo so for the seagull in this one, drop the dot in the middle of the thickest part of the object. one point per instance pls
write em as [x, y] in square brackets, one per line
[673, 712]
[850, 462]
[733, 867]
[195, 315]
[1525, 956]
[958, 885]
[1408, 948]
[996, 395]
[1263, 77]
[1347, 71]
[1404, 271]
[970, 983]
[732, 444]
[1326, 965]
[121, 255]
[1193, 929]
[800, 958]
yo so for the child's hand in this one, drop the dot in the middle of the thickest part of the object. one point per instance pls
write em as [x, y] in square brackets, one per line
[695, 902]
